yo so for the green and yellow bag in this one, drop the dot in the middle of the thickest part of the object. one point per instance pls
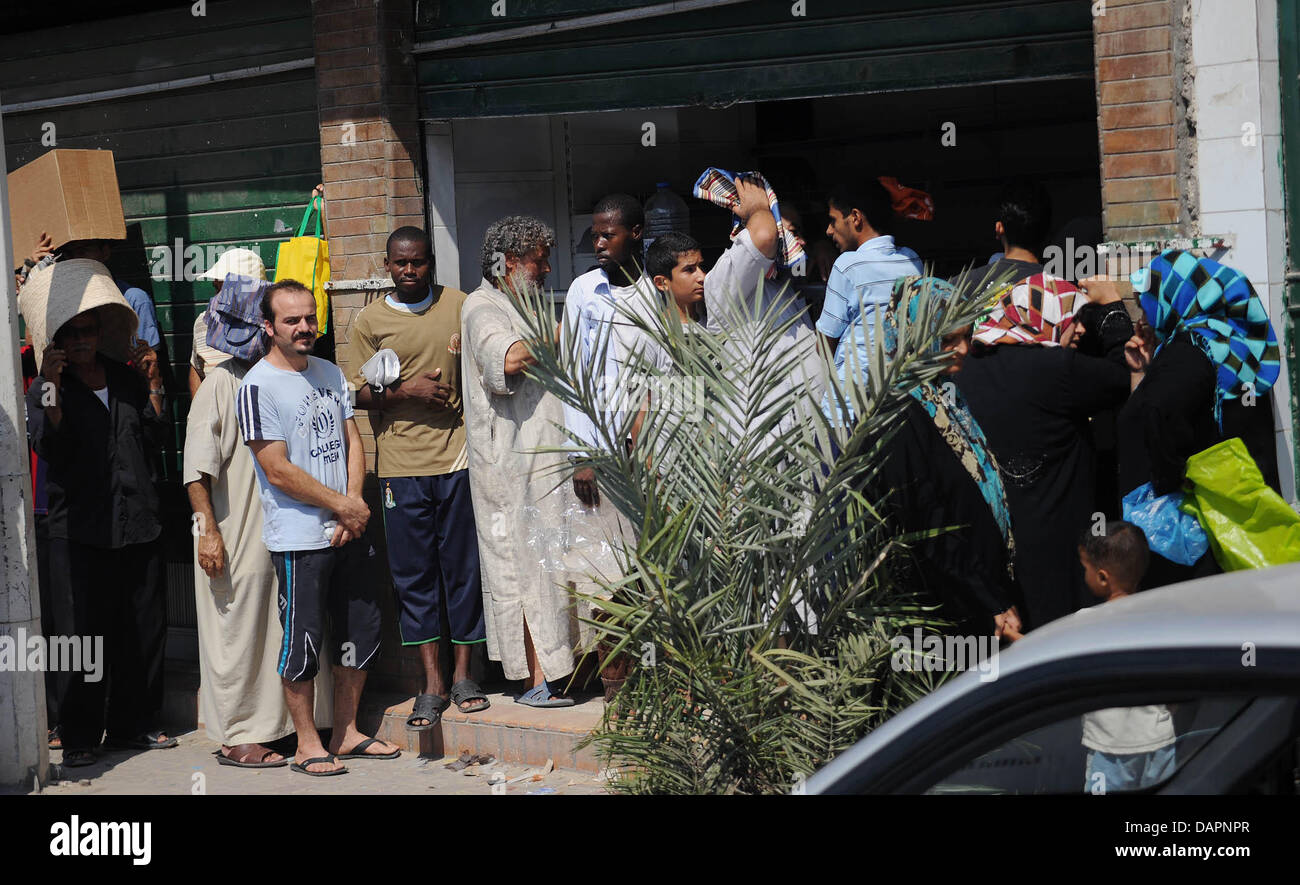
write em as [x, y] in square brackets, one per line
[1249, 525]
[307, 260]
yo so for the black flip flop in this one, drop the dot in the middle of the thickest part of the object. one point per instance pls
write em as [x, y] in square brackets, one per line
[468, 690]
[427, 706]
[302, 769]
[358, 752]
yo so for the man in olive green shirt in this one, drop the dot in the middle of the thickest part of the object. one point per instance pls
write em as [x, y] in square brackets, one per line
[422, 468]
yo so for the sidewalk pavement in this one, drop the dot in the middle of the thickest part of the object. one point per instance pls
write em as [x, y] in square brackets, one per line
[192, 768]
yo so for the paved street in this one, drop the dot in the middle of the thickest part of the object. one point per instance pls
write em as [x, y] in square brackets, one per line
[192, 767]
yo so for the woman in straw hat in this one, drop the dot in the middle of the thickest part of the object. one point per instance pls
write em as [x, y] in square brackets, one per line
[99, 423]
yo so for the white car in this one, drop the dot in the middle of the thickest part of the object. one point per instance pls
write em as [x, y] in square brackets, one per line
[1210, 667]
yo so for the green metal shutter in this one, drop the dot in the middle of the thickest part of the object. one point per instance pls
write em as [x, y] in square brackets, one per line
[218, 165]
[753, 51]
[1288, 14]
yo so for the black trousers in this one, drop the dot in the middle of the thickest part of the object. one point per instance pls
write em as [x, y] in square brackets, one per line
[118, 595]
[54, 611]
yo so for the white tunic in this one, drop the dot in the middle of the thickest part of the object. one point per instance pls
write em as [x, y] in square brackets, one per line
[521, 497]
[240, 696]
[743, 304]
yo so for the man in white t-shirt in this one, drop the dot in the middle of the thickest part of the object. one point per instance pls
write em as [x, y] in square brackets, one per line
[295, 414]
[590, 309]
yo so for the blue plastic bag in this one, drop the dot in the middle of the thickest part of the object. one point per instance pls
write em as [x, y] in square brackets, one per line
[1175, 535]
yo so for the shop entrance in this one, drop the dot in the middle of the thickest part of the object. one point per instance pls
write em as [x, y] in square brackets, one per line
[956, 143]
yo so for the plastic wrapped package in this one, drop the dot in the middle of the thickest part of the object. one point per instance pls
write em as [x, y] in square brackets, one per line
[1171, 532]
[1249, 524]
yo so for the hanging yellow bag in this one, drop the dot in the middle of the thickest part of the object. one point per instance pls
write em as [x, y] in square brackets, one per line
[1249, 524]
[307, 259]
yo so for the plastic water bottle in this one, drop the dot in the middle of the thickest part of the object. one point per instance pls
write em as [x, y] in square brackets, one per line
[665, 212]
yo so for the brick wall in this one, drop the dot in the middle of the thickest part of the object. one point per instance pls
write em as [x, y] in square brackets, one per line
[370, 148]
[370, 142]
[370, 162]
[1142, 122]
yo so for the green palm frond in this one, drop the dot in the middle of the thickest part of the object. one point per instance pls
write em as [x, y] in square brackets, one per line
[764, 578]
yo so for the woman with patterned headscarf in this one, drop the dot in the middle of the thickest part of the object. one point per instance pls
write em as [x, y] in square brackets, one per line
[1205, 356]
[938, 472]
[1033, 398]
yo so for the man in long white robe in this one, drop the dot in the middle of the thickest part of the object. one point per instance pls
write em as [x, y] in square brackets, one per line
[520, 496]
[241, 703]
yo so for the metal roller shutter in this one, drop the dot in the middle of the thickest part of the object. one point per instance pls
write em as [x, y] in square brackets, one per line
[472, 63]
[218, 164]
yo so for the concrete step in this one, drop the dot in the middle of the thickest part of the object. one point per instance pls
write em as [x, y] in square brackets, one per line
[180, 711]
[509, 731]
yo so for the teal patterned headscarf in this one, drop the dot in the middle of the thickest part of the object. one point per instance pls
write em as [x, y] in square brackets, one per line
[1218, 309]
[947, 407]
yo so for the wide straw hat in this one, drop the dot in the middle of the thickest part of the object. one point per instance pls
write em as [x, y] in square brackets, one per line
[57, 293]
[241, 262]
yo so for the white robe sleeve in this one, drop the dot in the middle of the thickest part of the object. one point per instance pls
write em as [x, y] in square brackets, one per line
[487, 334]
[732, 284]
[574, 335]
[207, 444]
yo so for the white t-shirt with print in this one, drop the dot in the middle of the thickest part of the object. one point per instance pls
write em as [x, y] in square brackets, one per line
[308, 411]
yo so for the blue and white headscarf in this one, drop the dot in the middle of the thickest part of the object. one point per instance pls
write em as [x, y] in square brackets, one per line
[1218, 309]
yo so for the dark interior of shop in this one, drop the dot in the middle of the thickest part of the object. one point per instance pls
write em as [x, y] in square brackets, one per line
[958, 144]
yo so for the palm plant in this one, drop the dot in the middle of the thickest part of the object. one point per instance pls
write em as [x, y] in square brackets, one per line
[764, 587]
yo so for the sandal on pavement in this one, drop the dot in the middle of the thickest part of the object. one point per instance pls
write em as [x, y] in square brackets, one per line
[302, 769]
[543, 696]
[151, 740]
[468, 690]
[55, 740]
[359, 751]
[428, 707]
[77, 758]
[249, 756]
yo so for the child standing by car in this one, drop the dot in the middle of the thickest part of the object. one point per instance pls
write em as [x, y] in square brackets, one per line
[1129, 748]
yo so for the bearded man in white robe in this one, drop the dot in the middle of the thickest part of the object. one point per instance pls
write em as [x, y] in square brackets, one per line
[518, 498]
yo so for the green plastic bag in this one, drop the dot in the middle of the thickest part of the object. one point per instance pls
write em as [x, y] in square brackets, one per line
[1249, 524]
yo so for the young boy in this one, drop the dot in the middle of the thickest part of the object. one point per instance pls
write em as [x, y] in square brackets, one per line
[676, 266]
[1129, 748]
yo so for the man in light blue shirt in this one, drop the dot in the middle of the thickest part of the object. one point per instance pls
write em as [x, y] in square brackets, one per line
[142, 304]
[862, 278]
[295, 415]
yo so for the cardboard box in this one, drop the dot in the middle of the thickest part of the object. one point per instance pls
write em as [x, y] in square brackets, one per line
[72, 195]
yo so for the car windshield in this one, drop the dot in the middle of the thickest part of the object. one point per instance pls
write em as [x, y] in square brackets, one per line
[1104, 750]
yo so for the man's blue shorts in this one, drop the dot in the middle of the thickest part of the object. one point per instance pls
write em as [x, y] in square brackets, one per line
[433, 557]
[331, 585]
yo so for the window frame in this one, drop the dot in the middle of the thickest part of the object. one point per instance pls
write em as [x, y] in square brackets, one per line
[1023, 701]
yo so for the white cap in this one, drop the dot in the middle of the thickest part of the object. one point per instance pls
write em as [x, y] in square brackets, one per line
[241, 262]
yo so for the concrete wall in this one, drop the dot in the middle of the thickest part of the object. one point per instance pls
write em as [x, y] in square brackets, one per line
[1189, 119]
[1234, 58]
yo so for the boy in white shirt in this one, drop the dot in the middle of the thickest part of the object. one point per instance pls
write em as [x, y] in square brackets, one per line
[1129, 748]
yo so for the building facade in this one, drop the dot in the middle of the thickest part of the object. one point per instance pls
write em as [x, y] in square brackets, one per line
[1152, 122]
